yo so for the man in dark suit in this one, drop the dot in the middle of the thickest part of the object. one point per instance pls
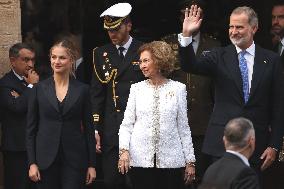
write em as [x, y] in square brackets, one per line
[14, 92]
[200, 89]
[273, 175]
[115, 69]
[251, 87]
[233, 169]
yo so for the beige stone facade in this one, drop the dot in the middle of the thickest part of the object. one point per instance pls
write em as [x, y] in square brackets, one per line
[10, 33]
[10, 30]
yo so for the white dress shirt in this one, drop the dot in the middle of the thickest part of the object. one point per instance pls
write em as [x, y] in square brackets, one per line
[21, 78]
[282, 46]
[155, 122]
[126, 45]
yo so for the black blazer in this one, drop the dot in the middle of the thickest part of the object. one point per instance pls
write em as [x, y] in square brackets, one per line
[103, 94]
[230, 172]
[14, 112]
[265, 104]
[47, 129]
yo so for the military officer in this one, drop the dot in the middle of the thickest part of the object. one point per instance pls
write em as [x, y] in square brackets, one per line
[115, 69]
[200, 99]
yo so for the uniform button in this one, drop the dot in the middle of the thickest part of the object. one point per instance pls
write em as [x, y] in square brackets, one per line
[193, 99]
[116, 96]
[116, 82]
[193, 86]
[117, 110]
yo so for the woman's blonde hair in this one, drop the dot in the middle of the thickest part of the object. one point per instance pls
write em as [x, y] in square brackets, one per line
[162, 54]
[70, 49]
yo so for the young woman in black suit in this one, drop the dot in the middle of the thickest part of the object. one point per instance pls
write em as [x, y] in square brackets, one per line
[60, 132]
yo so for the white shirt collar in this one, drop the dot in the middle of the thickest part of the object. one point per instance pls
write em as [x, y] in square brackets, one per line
[241, 156]
[17, 75]
[126, 45]
[78, 62]
[250, 50]
[282, 41]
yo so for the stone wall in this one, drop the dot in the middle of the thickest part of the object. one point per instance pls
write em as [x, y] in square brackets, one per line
[10, 33]
[10, 30]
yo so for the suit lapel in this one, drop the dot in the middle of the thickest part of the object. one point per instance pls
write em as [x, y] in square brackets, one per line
[49, 88]
[231, 58]
[258, 69]
[71, 96]
[13, 82]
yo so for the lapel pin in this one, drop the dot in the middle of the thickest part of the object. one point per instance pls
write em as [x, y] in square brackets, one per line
[264, 62]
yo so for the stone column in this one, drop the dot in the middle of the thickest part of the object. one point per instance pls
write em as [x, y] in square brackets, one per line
[10, 33]
[10, 30]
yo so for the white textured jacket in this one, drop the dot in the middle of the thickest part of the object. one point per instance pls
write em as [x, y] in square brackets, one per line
[155, 122]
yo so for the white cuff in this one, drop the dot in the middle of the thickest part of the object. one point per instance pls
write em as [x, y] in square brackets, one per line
[184, 41]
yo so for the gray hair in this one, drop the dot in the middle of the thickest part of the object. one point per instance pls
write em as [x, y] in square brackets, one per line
[251, 14]
[238, 131]
[16, 48]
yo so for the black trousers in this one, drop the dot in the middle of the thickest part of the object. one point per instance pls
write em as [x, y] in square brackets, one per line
[155, 178]
[16, 170]
[273, 176]
[61, 175]
[202, 160]
[112, 178]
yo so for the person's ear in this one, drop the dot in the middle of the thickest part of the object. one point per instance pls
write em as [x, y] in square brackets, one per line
[12, 61]
[225, 141]
[129, 26]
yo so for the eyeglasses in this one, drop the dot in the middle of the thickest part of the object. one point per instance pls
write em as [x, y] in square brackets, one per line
[145, 60]
[27, 59]
[278, 17]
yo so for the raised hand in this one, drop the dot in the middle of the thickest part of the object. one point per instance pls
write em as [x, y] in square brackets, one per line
[192, 21]
[32, 77]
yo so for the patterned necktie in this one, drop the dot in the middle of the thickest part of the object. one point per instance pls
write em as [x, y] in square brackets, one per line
[121, 49]
[244, 72]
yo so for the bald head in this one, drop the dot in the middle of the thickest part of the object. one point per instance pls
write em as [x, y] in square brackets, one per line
[238, 132]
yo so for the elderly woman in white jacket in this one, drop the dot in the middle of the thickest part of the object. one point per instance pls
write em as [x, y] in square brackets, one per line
[154, 137]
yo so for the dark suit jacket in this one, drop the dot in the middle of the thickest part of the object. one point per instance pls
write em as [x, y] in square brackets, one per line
[14, 112]
[265, 104]
[229, 172]
[103, 94]
[83, 73]
[200, 98]
[47, 128]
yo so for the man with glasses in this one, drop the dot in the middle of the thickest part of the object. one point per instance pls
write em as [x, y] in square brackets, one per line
[116, 67]
[14, 91]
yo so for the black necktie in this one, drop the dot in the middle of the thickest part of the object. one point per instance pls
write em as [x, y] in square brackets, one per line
[24, 82]
[121, 49]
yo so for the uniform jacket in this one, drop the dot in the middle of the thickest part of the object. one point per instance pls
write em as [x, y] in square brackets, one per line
[200, 89]
[265, 104]
[230, 172]
[155, 122]
[109, 99]
[14, 112]
[48, 129]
